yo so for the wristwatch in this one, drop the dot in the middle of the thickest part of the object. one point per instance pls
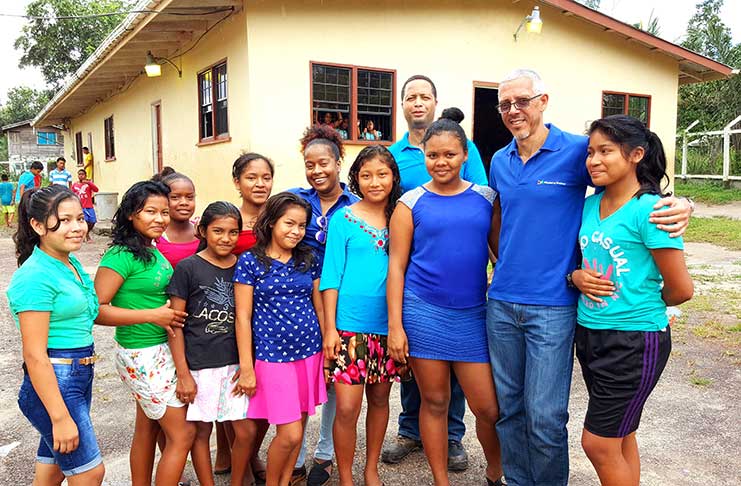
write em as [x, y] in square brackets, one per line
[570, 280]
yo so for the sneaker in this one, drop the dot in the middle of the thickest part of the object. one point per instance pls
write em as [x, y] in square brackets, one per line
[402, 447]
[457, 456]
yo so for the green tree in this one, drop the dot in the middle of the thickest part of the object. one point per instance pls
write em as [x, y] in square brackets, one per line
[59, 46]
[593, 4]
[652, 25]
[23, 103]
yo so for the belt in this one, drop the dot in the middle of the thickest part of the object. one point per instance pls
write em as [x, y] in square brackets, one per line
[68, 361]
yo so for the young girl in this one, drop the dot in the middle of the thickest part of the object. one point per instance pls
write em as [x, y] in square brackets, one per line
[277, 301]
[253, 178]
[54, 305]
[437, 294]
[205, 350]
[353, 289]
[623, 339]
[179, 239]
[130, 283]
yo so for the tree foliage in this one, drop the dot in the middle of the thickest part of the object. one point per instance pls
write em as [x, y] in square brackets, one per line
[718, 102]
[593, 4]
[59, 46]
[23, 104]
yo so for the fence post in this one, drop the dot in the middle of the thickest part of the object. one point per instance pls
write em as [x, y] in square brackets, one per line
[727, 151]
[685, 133]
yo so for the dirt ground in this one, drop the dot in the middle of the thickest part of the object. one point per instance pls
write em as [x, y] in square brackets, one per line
[690, 433]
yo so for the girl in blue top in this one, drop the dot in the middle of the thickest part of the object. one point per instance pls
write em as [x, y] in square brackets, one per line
[437, 294]
[277, 301]
[54, 303]
[353, 289]
[622, 338]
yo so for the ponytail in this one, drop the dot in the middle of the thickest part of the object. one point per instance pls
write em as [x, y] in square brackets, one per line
[39, 204]
[651, 170]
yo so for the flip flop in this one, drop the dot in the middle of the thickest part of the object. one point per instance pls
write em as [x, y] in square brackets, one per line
[499, 482]
[220, 472]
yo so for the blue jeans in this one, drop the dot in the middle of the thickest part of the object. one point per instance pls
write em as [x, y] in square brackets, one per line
[325, 445]
[532, 356]
[76, 386]
[411, 401]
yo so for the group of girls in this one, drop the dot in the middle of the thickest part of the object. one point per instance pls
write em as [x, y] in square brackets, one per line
[270, 300]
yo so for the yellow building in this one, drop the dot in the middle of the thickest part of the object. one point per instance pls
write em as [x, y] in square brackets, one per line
[252, 75]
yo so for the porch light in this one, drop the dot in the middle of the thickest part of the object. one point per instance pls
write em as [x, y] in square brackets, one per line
[153, 67]
[533, 24]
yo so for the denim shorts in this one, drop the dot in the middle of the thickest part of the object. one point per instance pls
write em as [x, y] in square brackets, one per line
[76, 386]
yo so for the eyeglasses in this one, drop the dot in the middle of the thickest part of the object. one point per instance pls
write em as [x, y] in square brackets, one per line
[321, 235]
[520, 104]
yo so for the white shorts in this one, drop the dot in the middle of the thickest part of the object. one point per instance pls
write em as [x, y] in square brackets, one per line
[214, 399]
[150, 375]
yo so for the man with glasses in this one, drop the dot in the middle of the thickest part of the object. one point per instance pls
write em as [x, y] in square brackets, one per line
[419, 101]
[541, 179]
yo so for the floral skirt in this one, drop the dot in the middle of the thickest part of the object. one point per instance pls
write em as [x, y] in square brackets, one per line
[363, 360]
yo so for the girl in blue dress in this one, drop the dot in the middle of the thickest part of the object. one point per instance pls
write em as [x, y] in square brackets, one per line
[631, 271]
[436, 295]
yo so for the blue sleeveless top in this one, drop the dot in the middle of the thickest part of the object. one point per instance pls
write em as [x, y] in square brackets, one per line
[449, 255]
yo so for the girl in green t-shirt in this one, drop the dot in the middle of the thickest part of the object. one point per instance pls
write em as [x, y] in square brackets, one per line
[54, 304]
[131, 283]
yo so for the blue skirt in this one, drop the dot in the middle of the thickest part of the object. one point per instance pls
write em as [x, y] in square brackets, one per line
[445, 334]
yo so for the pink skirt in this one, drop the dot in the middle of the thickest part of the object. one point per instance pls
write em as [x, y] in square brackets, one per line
[286, 390]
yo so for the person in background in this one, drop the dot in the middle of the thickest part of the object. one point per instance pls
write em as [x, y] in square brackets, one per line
[61, 176]
[53, 302]
[87, 163]
[7, 197]
[344, 129]
[27, 180]
[85, 190]
[370, 132]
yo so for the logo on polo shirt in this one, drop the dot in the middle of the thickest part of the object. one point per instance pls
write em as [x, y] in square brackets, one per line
[542, 182]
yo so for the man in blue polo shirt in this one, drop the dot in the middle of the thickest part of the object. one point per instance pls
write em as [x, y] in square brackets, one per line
[541, 179]
[419, 100]
[61, 176]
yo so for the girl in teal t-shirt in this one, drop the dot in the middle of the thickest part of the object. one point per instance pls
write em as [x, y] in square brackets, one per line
[631, 271]
[54, 304]
[131, 284]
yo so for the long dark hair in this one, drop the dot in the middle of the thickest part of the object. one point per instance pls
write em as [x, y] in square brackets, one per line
[275, 208]
[123, 231]
[39, 204]
[368, 153]
[630, 133]
[216, 210]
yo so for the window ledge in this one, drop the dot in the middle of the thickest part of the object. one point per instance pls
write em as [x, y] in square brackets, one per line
[110, 159]
[214, 141]
[385, 143]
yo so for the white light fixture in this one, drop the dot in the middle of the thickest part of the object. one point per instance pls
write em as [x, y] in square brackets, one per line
[532, 23]
[153, 67]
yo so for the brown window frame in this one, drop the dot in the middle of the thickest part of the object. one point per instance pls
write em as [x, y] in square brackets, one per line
[626, 103]
[109, 136]
[353, 135]
[215, 137]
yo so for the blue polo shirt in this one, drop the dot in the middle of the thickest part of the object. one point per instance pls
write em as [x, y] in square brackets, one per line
[26, 180]
[411, 162]
[542, 204]
[312, 228]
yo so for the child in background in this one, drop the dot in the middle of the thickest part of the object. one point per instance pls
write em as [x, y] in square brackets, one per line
[278, 302]
[252, 174]
[7, 195]
[353, 286]
[631, 271]
[131, 282]
[205, 350]
[54, 304]
[85, 190]
[27, 180]
[179, 239]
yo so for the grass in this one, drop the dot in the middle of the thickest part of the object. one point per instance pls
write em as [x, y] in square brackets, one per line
[700, 381]
[721, 231]
[707, 192]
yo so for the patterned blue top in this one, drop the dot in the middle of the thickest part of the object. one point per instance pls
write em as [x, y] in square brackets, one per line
[60, 177]
[447, 264]
[356, 264]
[284, 323]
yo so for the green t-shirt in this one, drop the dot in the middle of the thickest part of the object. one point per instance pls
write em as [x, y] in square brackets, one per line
[45, 284]
[143, 287]
[619, 246]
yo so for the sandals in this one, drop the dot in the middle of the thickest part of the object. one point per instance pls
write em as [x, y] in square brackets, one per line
[319, 474]
[260, 477]
[499, 482]
[220, 472]
[298, 476]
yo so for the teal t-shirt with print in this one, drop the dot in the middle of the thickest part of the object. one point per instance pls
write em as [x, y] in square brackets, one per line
[45, 284]
[619, 246]
[144, 287]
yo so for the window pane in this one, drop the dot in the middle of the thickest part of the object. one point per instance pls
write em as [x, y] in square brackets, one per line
[46, 138]
[638, 107]
[331, 94]
[108, 136]
[613, 104]
[206, 105]
[222, 125]
[375, 104]
[220, 72]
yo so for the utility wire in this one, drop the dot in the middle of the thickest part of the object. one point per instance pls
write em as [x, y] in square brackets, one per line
[113, 14]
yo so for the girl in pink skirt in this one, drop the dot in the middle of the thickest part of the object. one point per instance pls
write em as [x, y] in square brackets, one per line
[277, 300]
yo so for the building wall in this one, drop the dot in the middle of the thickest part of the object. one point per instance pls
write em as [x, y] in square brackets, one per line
[23, 146]
[269, 45]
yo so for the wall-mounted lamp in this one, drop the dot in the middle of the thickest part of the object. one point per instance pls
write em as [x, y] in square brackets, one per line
[532, 23]
[154, 68]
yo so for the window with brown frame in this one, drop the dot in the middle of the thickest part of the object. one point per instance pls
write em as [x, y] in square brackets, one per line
[110, 146]
[358, 102]
[213, 121]
[638, 106]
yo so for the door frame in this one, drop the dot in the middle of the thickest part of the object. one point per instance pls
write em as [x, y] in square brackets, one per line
[157, 159]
